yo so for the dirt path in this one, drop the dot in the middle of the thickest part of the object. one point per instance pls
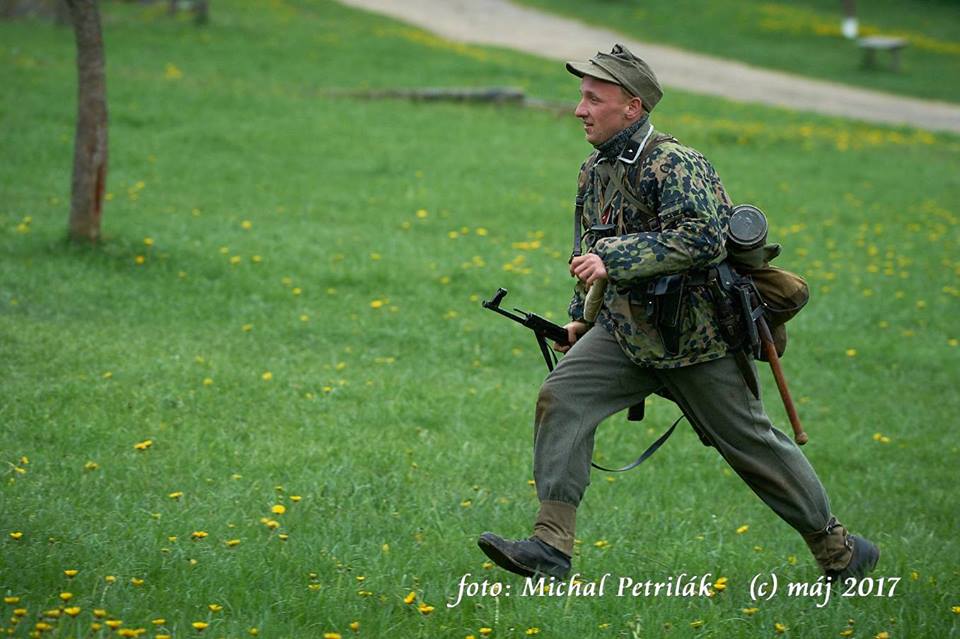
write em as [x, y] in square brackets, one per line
[499, 23]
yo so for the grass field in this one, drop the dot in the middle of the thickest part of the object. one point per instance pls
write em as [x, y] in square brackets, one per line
[801, 37]
[270, 401]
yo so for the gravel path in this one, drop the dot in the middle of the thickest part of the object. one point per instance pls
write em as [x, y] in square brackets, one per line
[500, 23]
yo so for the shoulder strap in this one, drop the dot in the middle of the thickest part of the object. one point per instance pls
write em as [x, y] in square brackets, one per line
[583, 180]
[638, 157]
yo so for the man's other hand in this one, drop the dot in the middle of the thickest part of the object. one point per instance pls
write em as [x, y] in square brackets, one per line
[574, 330]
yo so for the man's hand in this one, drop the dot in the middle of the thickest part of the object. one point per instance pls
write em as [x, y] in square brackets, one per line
[574, 330]
[588, 268]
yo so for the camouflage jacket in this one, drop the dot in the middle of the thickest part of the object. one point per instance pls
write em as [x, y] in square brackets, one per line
[685, 234]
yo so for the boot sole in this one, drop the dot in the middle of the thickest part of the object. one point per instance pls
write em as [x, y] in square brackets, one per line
[499, 557]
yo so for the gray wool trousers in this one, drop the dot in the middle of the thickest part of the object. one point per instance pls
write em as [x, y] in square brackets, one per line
[595, 379]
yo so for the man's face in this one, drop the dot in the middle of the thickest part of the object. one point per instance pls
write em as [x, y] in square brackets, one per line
[604, 109]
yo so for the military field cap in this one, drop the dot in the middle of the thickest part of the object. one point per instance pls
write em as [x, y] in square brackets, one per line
[623, 68]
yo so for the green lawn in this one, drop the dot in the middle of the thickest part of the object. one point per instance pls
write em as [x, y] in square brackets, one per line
[286, 312]
[800, 37]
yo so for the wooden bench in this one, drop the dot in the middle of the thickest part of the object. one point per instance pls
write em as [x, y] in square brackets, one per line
[873, 44]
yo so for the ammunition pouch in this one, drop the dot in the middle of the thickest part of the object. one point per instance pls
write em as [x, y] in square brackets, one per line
[664, 309]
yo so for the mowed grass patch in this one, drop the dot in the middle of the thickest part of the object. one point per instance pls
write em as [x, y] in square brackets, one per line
[303, 329]
[798, 37]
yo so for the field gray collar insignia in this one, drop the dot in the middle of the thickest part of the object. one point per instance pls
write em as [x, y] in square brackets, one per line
[634, 147]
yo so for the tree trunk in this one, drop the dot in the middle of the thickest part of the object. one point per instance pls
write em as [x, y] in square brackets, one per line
[90, 152]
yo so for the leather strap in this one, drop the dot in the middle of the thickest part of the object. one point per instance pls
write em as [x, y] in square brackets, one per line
[645, 455]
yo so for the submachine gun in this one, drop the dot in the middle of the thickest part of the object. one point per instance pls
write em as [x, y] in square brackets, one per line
[542, 328]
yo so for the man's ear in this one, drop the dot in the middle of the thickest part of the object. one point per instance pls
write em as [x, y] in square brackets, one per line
[634, 108]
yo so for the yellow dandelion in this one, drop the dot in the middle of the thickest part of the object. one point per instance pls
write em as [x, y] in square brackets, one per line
[232, 543]
[603, 543]
[482, 232]
[11, 600]
[246, 225]
[42, 626]
[71, 573]
[851, 352]
[425, 608]
[253, 632]
[176, 494]
[113, 624]
[200, 626]
[720, 584]
[107, 375]
[422, 214]
[109, 579]
[297, 290]
[295, 498]
[882, 635]
[135, 581]
[376, 304]
[955, 610]
[215, 607]
[256, 259]
[19, 612]
[283, 536]
[171, 72]
[91, 465]
[697, 624]
[742, 529]
[267, 376]
[144, 445]
[331, 635]
[272, 524]
[848, 632]
[207, 381]
[750, 611]
[304, 317]
[246, 328]
[159, 621]
[313, 587]
[198, 534]
[355, 626]
[779, 628]
[139, 260]
[532, 631]
[485, 631]
[410, 598]
[66, 596]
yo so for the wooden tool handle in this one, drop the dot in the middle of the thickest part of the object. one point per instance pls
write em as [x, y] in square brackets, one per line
[766, 339]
